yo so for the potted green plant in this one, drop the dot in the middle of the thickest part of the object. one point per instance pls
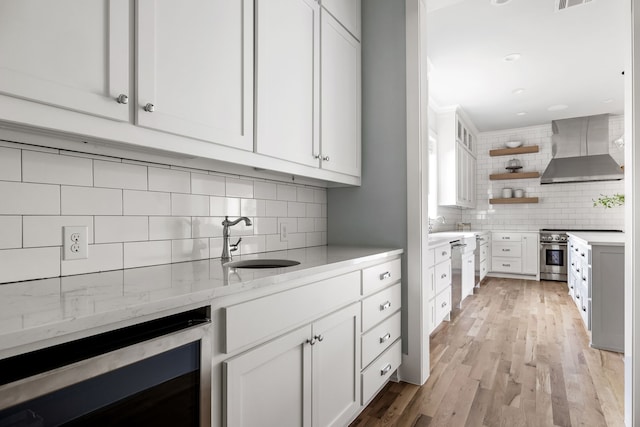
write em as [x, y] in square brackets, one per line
[609, 201]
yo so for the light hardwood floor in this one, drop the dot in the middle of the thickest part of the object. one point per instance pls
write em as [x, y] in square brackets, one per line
[517, 354]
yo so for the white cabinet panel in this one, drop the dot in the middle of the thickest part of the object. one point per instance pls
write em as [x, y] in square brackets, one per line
[287, 87]
[530, 253]
[347, 12]
[195, 65]
[340, 99]
[83, 68]
[377, 374]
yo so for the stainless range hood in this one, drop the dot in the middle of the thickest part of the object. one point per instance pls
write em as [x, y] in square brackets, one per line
[580, 148]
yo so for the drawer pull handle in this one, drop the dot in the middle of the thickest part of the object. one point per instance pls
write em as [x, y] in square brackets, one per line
[506, 250]
[385, 275]
[584, 278]
[385, 305]
[444, 304]
[584, 309]
[506, 238]
[444, 253]
[571, 286]
[578, 296]
[506, 265]
[443, 275]
[384, 371]
[385, 338]
[578, 270]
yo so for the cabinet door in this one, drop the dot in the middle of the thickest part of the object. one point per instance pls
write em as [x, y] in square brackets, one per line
[347, 12]
[468, 275]
[461, 176]
[72, 54]
[336, 367]
[471, 181]
[195, 65]
[530, 254]
[287, 87]
[340, 98]
[270, 385]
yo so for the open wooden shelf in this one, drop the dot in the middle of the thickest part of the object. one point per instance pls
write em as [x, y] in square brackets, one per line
[513, 200]
[514, 175]
[511, 151]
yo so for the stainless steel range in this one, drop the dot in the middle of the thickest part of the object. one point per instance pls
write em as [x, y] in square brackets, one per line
[553, 253]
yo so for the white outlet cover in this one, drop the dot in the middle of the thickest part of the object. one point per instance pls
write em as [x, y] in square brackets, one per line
[75, 242]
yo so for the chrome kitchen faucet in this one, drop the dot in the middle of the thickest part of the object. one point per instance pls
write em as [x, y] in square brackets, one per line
[227, 247]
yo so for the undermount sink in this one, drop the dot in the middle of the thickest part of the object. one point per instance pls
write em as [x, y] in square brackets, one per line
[262, 263]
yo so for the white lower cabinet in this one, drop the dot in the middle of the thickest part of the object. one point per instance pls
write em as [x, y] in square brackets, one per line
[515, 253]
[309, 377]
[437, 292]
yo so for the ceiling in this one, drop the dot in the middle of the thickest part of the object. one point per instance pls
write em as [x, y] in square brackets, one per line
[573, 57]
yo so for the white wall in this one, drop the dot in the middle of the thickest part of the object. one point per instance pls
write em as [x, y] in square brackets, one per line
[138, 213]
[560, 205]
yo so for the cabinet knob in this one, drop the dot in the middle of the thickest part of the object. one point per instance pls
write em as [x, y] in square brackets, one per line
[385, 370]
[318, 337]
[444, 253]
[385, 338]
[443, 275]
[149, 108]
[316, 156]
[122, 99]
[578, 296]
[325, 158]
[444, 304]
[312, 341]
[584, 308]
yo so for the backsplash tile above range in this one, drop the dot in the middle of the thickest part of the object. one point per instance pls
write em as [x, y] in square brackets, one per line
[138, 214]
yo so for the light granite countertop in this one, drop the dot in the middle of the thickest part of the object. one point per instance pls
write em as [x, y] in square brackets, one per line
[602, 238]
[63, 308]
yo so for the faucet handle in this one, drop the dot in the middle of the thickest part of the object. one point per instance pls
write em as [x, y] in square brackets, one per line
[234, 246]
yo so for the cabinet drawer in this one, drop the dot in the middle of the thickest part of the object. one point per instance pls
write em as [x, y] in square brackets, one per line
[379, 306]
[251, 321]
[379, 338]
[377, 374]
[442, 276]
[506, 265]
[379, 276]
[443, 305]
[483, 269]
[484, 250]
[506, 237]
[507, 249]
[442, 253]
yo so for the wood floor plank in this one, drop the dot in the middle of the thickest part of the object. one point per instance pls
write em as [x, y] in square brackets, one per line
[517, 354]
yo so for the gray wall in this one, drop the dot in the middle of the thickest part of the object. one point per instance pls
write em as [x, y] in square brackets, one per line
[375, 214]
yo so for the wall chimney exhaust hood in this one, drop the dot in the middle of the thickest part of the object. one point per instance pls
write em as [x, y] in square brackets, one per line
[580, 148]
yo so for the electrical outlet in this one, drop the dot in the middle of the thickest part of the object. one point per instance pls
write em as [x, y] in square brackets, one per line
[283, 232]
[75, 242]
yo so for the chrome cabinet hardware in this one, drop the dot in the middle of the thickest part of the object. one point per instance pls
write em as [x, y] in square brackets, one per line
[149, 108]
[506, 265]
[318, 337]
[582, 253]
[385, 338]
[316, 156]
[385, 275]
[384, 371]
[325, 158]
[444, 253]
[578, 296]
[122, 99]
[385, 305]
[506, 250]
[444, 304]
[443, 275]
[312, 341]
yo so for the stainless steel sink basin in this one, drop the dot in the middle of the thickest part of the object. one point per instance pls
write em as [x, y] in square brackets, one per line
[261, 263]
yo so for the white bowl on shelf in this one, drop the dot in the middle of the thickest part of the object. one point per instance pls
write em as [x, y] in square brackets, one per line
[513, 144]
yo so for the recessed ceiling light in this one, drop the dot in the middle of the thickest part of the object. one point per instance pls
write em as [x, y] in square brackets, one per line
[521, 113]
[512, 57]
[518, 91]
[557, 107]
[608, 101]
[499, 2]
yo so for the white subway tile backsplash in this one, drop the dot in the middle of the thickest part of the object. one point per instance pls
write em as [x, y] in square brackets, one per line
[90, 201]
[47, 230]
[275, 208]
[211, 185]
[224, 206]
[189, 205]
[10, 164]
[169, 180]
[239, 188]
[110, 229]
[10, 232]
[138, 213]
[48, 168]
[265, 190]
[287, 192]
[167, 227]
[119, 175]
[140, 254]
[17, 198]
[29, 264]
[101, 258]
[189, 250]
[148, 203]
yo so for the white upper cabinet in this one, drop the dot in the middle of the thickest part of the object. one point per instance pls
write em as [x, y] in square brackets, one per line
[72, 54]
[287, 87]
[340, 98]
[347, 12]
[456, 160]
[195, 69]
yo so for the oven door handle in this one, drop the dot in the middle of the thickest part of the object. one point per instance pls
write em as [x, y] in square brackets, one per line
[564, 245]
